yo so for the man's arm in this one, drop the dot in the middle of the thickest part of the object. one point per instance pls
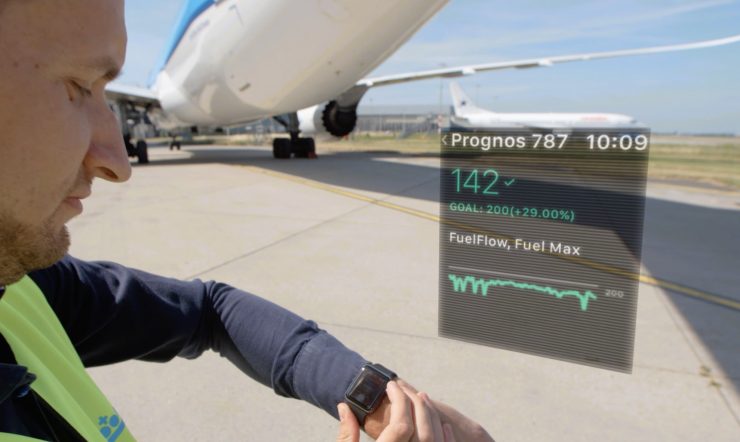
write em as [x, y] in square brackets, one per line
[113, 313]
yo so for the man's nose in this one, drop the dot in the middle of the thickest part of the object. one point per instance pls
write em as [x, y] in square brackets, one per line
[106, 157]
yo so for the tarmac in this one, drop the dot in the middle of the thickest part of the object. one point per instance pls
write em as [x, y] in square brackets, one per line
[350, 240]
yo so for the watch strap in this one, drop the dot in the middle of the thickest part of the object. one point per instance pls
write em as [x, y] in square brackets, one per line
[359, 413]
[386, 372]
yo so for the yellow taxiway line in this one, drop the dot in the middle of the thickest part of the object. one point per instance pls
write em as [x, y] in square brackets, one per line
[668, 285]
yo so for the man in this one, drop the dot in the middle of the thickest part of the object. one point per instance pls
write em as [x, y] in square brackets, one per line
[58, 313]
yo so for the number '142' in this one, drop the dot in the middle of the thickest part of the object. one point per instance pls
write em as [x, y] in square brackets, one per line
[472, 181]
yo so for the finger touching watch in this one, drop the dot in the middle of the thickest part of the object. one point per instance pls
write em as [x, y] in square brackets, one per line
[367, 390]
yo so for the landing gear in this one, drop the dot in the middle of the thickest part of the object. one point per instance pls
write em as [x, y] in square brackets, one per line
[142, 152]
[284, 148]
[281, 148]
[134, 133]
[175, 144]
[304, 148]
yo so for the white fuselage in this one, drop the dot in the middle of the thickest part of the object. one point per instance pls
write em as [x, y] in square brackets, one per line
[544, 119]
[242, 60]
[467, 114]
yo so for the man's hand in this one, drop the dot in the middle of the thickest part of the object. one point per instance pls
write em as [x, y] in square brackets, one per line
[464, 429]
[412, 418]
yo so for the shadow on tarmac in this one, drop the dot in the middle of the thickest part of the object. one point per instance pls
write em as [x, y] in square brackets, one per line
[690, 245]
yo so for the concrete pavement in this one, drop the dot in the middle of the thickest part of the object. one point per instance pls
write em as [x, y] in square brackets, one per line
[305, 235]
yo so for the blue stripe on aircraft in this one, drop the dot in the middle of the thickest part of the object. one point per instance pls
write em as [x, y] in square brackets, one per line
[190, 11]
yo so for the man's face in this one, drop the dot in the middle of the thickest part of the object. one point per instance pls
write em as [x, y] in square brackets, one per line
[56, 131]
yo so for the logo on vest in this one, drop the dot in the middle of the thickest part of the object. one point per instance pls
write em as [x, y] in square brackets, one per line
[111, 426]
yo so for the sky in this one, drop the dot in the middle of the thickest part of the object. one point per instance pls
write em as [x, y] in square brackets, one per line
[688, 92]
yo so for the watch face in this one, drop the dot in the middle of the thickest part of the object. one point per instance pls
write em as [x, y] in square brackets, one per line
[367, 389]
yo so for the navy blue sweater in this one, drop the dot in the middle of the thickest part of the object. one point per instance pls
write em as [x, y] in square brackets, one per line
[113, 313]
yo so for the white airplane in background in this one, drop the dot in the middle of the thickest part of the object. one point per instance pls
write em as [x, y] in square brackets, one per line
[467, 114]
[302, 62]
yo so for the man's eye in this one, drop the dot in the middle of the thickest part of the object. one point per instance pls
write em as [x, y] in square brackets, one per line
[85, 92]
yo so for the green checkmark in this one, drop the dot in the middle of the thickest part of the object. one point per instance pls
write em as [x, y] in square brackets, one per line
[510, 182]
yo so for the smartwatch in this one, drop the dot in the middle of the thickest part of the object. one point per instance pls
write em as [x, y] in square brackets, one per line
[366, 392]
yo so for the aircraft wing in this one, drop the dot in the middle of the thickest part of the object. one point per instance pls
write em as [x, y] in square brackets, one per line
[134, 94]
[533, 63]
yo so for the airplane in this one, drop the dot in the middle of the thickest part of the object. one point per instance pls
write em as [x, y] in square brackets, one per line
[466, 114]
[230, 62]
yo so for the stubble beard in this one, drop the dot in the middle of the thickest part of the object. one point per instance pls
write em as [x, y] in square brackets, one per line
[27, 248]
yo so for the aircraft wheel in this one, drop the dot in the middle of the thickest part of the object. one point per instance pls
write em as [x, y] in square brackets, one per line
[281, 148]
[142, 152]
[304, 148]
[130, 148]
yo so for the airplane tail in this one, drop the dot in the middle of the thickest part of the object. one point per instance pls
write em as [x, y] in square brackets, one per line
[461, 104]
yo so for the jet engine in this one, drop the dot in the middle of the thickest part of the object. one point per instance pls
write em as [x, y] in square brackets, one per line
[328, 120]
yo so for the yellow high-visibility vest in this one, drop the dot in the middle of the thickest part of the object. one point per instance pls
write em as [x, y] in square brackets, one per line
[40, 343]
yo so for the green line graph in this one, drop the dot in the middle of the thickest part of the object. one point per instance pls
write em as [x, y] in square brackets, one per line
[460, 285]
